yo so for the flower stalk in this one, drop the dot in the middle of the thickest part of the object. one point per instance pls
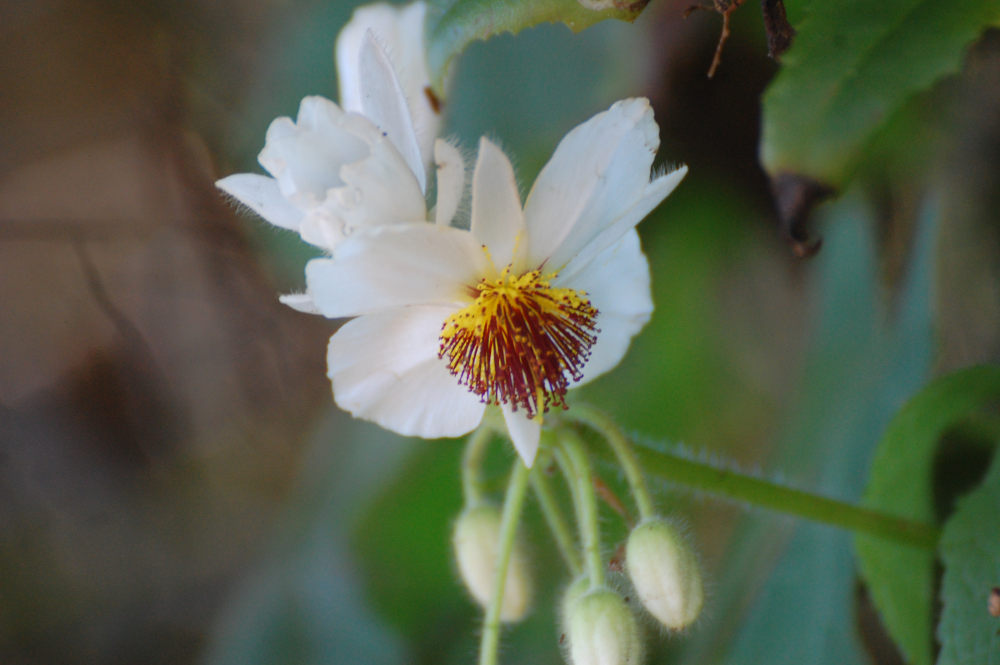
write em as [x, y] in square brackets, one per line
[623, 451]
[766, 494]
[577, 466]
[554, 517]
[513, 503]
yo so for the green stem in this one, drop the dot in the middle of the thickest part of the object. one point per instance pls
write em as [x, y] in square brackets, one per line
[701, 476]
[513, 502]
[472, 464]
[623, 451]
[569, 476]
[581, 477]
[555, 518]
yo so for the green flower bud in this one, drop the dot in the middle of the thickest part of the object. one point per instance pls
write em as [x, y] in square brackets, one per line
[476, 539]
[600, 629]
[665, 573]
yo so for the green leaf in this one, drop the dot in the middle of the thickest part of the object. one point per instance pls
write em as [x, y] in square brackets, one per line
[969, 549]
[851, 66]
[900, 578]
[454, 24]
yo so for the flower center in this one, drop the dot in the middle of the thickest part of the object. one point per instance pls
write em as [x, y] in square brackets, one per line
[521, 342]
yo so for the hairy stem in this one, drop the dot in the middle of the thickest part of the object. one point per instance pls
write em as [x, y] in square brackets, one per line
[579, 474]
[622, 448]
[560, 528]
[513, 502]
[733, 485]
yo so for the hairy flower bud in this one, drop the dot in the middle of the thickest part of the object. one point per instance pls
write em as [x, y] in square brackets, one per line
[600, 628]
[665, 573]
[476, 539]
[576, 590]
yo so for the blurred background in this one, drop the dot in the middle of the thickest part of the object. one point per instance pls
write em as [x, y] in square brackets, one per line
[176, 485]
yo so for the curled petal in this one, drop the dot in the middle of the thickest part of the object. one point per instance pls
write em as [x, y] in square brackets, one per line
[384, 368]
[379, 189]
[323, 227]
[337, 169]
[305, 156]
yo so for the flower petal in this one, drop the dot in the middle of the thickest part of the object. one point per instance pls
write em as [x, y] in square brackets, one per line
[300, 302]
[618, 285]
[399, 30]
[450, 180]
[497, 219]
[598, 171]
[305, 157]
[524, 433]
[323, 228]
[384, 368]
[379, 189]
[655, 192]
[395, 266]
[262, 195]
[384, 103]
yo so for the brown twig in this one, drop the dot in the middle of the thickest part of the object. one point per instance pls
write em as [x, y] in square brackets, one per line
[725, 8]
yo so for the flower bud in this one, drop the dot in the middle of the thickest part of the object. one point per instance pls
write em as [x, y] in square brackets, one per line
[601, 629]
[476, 539]
[665, 573]
[576, 590]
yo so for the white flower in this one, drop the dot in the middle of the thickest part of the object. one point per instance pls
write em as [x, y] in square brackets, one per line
[512, 311]
[337, 168]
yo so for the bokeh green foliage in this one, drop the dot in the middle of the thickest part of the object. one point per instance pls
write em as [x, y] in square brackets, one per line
[861, 363]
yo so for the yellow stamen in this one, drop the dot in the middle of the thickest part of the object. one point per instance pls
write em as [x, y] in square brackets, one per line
[521, 342]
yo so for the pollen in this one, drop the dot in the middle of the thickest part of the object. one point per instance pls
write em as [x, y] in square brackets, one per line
[521, 341]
